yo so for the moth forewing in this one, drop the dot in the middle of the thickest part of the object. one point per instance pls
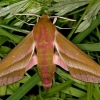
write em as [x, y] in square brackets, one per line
[13, 66]
[80, 65]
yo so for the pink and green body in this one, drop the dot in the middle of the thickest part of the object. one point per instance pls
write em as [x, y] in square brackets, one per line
[44, 35]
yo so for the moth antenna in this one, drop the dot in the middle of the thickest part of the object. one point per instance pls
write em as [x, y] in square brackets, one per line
[24, 21]
[55, 19]
[28, 15]
[62, 28]
[37, 19]
[62, 18]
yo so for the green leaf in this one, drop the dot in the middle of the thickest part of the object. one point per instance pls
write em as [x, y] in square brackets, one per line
[91, 15]
[3, 90]
[64, 6]
[74, 92]
[84, 25]
[86, 32]
[15, 38]
[3, 39]
[89, 47]
[14, 8]
[4, 49]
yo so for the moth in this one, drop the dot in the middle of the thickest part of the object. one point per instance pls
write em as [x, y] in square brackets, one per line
[45, 47]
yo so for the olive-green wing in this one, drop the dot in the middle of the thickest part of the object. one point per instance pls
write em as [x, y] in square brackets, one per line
[80, 65]
[13, 66]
